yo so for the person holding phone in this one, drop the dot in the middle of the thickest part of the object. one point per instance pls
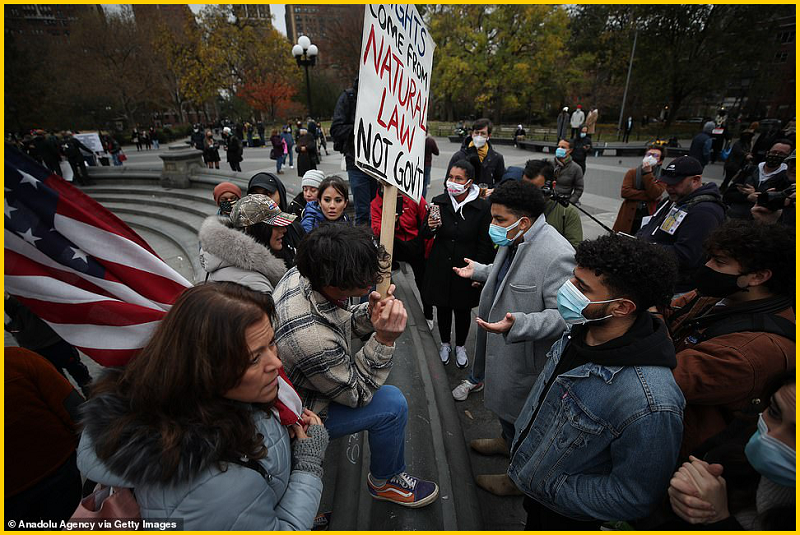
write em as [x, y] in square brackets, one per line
[459, 225]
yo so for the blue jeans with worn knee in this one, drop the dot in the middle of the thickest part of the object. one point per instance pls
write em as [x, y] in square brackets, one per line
[384, 418]
[364, 188]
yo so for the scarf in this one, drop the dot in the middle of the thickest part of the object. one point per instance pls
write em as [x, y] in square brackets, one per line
[565, 162]
[482, 152]
[474, 193]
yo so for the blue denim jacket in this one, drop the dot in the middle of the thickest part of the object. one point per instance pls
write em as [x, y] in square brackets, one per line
[604, 443]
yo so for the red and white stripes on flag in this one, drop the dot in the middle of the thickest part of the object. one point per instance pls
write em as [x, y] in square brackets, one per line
[87, 274]
[79, 267]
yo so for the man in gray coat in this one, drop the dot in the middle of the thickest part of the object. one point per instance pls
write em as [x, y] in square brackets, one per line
[518, 314]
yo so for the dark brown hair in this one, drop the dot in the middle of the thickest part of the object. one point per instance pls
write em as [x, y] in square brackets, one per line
[336, 182]
[177, 382]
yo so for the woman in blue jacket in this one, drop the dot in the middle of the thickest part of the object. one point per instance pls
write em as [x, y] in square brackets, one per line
[330, 206]
[189, 425]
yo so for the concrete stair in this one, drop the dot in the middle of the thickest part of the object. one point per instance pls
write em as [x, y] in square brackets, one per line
[167, 219]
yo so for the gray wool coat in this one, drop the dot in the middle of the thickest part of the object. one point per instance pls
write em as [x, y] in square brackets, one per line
[514, 360]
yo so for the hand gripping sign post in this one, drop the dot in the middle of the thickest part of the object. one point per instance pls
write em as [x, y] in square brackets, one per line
[391, 112]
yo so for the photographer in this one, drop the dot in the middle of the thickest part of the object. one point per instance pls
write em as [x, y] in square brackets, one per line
[558, 211]
[773, 207]
[754, 179]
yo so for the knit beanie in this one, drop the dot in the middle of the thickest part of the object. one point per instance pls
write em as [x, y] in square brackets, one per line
[313, 178]
[226, 187]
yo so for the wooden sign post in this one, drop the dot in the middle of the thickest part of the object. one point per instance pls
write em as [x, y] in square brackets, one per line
[387, 232]
[395, 70]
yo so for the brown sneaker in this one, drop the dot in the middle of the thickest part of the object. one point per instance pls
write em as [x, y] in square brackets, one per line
[490, 446]
[498, 484]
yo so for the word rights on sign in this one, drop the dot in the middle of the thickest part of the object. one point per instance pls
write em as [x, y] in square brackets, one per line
[393, 87]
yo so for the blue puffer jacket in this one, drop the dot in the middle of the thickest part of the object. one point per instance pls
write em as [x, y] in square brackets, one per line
[604, 441]
[313, 217]
[238, 499]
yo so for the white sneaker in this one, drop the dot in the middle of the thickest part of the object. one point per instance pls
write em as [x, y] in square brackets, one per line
[291, 167]
[461, 357]
[462, 391]
[444, 353]
[430, 325]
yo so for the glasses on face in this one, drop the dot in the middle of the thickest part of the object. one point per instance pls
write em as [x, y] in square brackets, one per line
[654, 154]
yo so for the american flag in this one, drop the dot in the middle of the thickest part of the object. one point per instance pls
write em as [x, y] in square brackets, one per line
[82, 270]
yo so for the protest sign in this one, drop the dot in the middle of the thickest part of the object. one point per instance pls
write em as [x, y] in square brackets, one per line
[394, 83]
[91, 140]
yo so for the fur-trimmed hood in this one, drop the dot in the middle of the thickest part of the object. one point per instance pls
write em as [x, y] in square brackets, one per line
[229, 254]
[136, 462]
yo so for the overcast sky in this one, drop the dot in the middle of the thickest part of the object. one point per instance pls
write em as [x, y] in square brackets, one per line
[278, 13]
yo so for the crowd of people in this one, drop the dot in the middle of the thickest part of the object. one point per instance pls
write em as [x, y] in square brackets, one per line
[307, 142]
[645, 377]
[51, 149]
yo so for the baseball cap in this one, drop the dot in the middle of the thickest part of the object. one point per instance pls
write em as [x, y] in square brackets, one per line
[680, 168]
[253, 209]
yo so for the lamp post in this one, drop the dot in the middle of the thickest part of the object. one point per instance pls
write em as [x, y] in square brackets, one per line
[306, 55]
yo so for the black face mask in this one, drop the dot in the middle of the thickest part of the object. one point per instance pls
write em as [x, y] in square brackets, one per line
[774, 160]
[225, 207]
[712, 283]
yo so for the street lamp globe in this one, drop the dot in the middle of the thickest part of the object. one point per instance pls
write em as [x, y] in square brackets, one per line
[304, 41]
[297, 51]
[312, 51]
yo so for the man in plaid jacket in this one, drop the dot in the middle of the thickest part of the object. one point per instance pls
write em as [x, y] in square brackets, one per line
[315, 328]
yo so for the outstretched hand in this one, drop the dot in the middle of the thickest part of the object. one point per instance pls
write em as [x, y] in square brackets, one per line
[467, 271]
[498, 327]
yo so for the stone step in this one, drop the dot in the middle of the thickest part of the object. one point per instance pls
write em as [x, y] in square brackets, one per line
[179, 227]
[199, 195]
[198, 208]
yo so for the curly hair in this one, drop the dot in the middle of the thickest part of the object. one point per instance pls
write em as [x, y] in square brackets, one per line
[341, 256]
[757, 247]
[640, 271]
[520, 198]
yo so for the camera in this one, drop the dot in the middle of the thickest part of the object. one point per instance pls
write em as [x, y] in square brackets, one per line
[550, 193]
[772, 200]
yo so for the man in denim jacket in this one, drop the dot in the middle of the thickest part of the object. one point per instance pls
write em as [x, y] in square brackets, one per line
[599, 434]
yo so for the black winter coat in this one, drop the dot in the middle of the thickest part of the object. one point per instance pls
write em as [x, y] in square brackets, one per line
[705, 212]
[493, 167]
[455, 240]
[235, 149]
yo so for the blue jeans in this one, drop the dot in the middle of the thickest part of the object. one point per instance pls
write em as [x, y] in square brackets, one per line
[115, 158]
[384, 418]
[427, 181]
[364, 189]
[478, 371]
[279, 161]
[291, 156]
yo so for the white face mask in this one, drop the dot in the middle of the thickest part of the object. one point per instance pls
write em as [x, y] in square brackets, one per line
[649, 161]
[456, 189]
[479, 141]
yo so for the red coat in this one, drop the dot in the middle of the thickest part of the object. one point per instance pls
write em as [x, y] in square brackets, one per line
[411, 220]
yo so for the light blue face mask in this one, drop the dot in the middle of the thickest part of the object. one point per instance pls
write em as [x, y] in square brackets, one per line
[498, 233]
[571, 304]
[561, 152]
[583, 134]
[770, 457]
